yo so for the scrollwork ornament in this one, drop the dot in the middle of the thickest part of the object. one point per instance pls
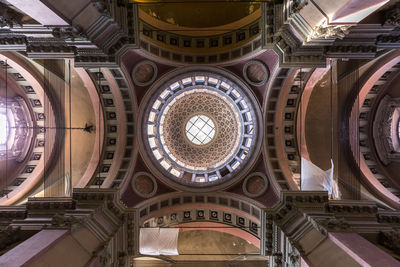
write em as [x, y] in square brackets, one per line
[330, 224]
[278, 258]
[390, 240]
[103, 255]
[9, 236]
[294, 257]
[393, 16]
[102, 7]
[65, 221]
[68, 32]
[9, 17]
[297, 5]
[324, 31]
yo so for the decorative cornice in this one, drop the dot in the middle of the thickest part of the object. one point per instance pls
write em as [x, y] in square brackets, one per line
[56, 203]
[68, 33]
[268, 234]
[9, 213]
[98, 195]
[358, 207]
[330, 32]
[390, 217]
[325, 225]
[65, 221]
[114, 31]
[12, 42]
[9, 17]
[300, 44]
[302, 211]
[130, 222]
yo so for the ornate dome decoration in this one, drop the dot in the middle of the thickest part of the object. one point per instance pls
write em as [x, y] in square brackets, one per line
[144, 184]
[201, 32]
[255, 185]
[199, 128]
[255, 73]
[386, 130]
[144, 73]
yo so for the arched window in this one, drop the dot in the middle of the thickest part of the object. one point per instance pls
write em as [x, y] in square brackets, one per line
[16, 128]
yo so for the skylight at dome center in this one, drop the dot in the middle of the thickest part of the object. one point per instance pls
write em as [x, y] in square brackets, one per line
[3, 129]
[200, 129]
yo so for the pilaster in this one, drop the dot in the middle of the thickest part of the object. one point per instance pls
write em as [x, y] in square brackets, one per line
[313, 225]
[93, 220]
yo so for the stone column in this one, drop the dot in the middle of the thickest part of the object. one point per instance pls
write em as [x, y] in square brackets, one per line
[325, 233]
[91, 229]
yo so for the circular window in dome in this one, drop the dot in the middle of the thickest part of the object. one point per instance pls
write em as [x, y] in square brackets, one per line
[200, 129]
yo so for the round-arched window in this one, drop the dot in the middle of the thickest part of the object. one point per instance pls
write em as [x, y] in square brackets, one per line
[16, 128]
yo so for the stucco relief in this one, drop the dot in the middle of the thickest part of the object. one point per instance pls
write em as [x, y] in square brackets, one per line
[386, 130]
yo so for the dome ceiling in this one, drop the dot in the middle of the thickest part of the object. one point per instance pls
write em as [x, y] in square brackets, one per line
[209, 105]
[199, 32]
[204, 14]
[199, 128]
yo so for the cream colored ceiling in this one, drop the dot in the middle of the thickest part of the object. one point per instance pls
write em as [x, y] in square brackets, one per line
[201, 14]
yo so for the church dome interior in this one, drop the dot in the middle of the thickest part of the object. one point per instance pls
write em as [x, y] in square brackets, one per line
[200, 127]
[199, 133]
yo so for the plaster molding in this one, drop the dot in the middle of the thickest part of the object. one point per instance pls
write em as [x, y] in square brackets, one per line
[386, 131]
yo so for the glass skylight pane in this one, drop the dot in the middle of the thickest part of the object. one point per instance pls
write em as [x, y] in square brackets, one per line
[211, 135]
[190, 136]
[200, 129]
[193, 131]
[207, 129]
[201, 136]
[199, 123]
